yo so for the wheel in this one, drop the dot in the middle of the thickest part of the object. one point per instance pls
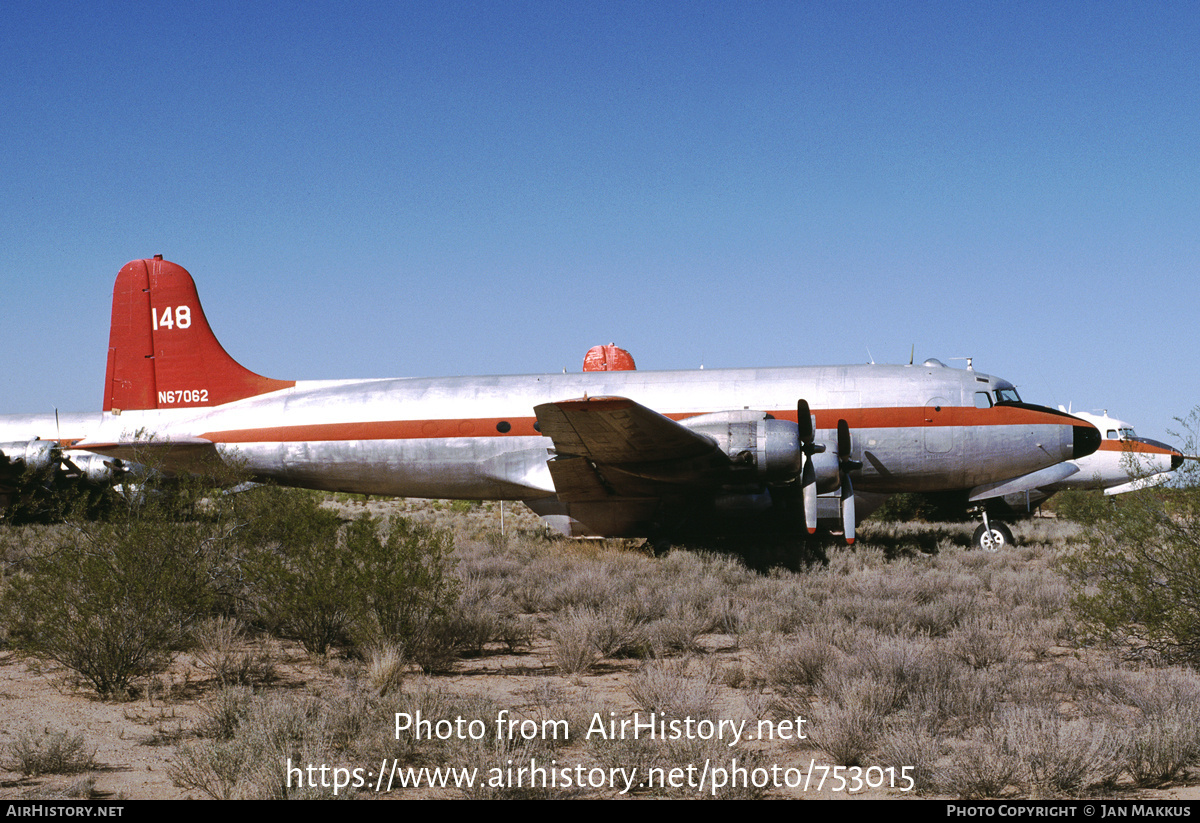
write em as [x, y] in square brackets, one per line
[994, 539]
[659, 545]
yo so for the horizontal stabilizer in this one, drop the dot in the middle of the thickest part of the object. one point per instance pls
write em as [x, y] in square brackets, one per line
[170, 456]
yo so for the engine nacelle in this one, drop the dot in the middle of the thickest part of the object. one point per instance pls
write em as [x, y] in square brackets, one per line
[826, 470]
[36, 455]
[762, 448]
[96, 468]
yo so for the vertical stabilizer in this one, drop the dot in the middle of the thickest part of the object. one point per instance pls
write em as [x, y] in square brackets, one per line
[162, 353]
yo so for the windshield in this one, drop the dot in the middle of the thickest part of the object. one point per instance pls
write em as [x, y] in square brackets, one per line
[1008, 395]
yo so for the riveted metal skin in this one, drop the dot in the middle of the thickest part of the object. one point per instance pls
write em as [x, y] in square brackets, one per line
[614, 452]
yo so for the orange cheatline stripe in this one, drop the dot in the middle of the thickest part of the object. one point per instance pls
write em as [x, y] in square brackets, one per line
[1133, 446]
[875, 418]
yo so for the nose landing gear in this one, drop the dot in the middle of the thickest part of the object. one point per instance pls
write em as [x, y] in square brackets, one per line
[992, 536]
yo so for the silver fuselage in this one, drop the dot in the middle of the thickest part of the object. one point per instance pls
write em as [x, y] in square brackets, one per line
[915, 427]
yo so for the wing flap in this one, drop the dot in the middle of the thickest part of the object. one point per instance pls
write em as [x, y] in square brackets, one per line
[575, 479]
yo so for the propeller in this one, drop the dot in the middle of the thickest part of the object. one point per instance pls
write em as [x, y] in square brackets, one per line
[808, 473]
[808, 476]
[845, 466]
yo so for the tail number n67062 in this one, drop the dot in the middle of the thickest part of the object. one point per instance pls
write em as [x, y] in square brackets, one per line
[181, 318]
[183, 396]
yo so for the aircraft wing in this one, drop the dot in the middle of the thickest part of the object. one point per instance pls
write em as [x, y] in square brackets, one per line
[618, 430]
[1026, 482]
[613, 447]
[1140, 483]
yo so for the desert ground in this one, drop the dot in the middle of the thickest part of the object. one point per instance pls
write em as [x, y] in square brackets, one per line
[908, 665]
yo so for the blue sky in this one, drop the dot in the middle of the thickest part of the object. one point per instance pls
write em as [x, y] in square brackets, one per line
[388, 189]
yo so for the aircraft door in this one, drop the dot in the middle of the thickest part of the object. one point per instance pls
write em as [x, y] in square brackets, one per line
[939, 438]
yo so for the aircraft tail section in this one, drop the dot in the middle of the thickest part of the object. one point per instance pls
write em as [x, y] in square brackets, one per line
[162, 353]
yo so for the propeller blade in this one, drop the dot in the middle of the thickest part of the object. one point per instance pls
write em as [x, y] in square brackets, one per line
[843, 440]
[804, 420]
[848, 509]
[808, 490]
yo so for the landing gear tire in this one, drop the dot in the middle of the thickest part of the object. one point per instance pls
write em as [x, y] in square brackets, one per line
[659, 546]
[993, 539]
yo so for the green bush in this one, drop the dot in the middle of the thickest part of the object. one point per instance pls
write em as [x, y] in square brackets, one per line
[300, 583]
[365, 583]
[112, 601]
[1081, 506]
[38, 497]
[1137, 567]
[406, 574]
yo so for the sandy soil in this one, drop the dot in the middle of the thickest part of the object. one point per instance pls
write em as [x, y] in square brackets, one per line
[135, 741]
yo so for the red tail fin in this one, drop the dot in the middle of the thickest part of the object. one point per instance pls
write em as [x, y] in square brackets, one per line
[162, 353]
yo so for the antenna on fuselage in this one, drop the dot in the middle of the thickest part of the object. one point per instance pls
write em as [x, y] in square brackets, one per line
[870, 357]
[969, 360]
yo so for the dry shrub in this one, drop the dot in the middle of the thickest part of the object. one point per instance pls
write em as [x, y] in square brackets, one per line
[679, 688]
[524, 770]
[678, 631]
[847, 724]
[639, 753]
[1165, 740]
[548, 703]
[49, 751]
[982, 642]
[218, 640]
[947, 697]
[386, 668]
[259, 735]
[1162, 747]
[794, 661]
[1059, 756]
[573, 640]
[906, 744]
[981, 765]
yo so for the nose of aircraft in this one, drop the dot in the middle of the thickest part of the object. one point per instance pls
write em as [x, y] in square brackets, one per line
[1087, 440]
[1158, 448]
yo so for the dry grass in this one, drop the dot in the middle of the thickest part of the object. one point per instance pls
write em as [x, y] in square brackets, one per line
[909, 650]
[49, 751]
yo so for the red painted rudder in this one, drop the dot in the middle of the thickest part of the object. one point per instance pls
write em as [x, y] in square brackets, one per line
[162, 353]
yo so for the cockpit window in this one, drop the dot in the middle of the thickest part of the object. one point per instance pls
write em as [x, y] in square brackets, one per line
[983, 400]
[1007, 396]
[1111, 434]
[1127, 434]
